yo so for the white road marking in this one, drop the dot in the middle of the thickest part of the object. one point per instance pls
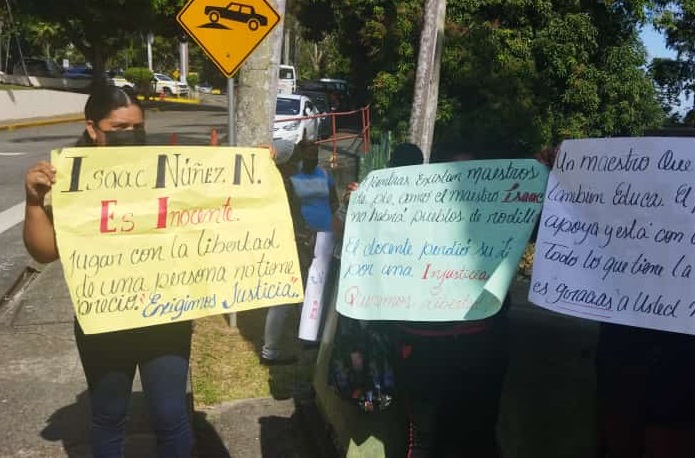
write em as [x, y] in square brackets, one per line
[11, 217]
[12, 154]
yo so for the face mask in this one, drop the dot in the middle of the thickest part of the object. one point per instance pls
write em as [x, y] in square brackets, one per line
[133, 137]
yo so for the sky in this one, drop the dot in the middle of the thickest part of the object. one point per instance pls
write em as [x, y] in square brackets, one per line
[656, 47]
[655, 43]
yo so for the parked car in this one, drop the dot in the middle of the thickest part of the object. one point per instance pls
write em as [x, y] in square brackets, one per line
[290, 122]
[111, 77]
[337, 84]
[238, 12]
[117, 79]
[320, 100]
[81, 72]
[287, 79]
[165, 84]
[336, 92]
[37, 66]
[204, 88]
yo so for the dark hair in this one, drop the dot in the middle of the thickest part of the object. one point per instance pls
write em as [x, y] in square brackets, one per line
[451, 151]
[405, 154]
[101, 102]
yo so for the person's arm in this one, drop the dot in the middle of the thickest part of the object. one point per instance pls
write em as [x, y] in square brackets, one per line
[333, 200]
[38, 232]
[338, 221]
[339, 215]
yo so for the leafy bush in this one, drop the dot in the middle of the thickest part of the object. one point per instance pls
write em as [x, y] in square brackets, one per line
[193, 80]
[141, 77]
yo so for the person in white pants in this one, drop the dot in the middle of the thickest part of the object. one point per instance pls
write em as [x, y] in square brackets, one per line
[314, 188]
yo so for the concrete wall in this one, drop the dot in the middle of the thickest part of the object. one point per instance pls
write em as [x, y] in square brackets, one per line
[25, 104]
[47, 83]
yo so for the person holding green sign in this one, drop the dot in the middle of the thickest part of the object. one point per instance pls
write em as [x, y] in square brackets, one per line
[161, 353]
[452, 375]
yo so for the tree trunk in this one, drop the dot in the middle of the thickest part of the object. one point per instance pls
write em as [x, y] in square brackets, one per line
[423, 113]
[258, 87]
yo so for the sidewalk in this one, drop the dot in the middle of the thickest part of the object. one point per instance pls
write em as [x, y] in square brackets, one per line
[42, 384]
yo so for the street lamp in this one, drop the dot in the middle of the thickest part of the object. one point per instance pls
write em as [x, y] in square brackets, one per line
[150, 39]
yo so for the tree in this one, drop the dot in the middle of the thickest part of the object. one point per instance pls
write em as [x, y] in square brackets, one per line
[44, 35]
[99, 28]
[676, 19]
[516, 76]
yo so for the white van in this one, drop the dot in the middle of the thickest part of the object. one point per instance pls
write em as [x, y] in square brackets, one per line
[287, 81]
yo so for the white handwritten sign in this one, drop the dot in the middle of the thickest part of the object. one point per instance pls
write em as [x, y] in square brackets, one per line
[617, 233]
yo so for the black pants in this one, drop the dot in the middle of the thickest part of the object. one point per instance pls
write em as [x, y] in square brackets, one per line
[646, 392]
[110, 359]
[452, 387]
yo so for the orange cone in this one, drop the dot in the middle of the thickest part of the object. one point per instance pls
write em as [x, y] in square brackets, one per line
[161, 96]
[214, 140]
[173, 139]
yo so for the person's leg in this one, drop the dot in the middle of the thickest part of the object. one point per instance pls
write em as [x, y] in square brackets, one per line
[164, 383]
[670, 441]
[274, 326]
[670, 422]
[109, 369]
[422, 419]
[621, 371]
[164, 373]
[414, 377]
[470, 409]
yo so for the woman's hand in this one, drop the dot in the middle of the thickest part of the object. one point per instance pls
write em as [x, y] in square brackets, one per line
[547, 156]
[349, 189]
[39, 180]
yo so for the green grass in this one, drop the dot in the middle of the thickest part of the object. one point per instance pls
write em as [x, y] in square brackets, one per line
[13, 87]
[225, 365]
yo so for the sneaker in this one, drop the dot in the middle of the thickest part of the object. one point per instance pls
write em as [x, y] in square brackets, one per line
[279, 361]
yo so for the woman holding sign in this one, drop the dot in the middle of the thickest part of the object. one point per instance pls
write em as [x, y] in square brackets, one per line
[161, 353]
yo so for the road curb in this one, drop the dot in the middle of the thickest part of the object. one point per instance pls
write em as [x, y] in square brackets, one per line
[41, 122]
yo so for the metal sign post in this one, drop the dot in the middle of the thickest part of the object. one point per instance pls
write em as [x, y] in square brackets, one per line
[231, 138]
[231, 121]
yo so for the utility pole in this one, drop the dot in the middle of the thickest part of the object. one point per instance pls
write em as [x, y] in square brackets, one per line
[258, 88]
[252, 111]
[423, 113]
[183, 60]
[286, 47]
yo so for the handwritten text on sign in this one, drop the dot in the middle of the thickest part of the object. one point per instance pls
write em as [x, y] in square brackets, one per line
[438, 242]
[617, 233]
[152, 235]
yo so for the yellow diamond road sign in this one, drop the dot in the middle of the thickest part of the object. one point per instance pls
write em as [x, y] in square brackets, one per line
[228, 31]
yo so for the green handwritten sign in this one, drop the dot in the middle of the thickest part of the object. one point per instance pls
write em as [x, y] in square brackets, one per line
[438, 242]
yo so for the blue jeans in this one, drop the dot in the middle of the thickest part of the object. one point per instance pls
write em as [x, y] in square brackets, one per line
[109, 360]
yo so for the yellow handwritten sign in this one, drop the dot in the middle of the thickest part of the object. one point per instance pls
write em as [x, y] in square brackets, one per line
[157, 234]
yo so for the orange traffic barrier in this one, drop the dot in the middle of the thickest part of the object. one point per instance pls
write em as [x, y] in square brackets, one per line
[214, 140]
